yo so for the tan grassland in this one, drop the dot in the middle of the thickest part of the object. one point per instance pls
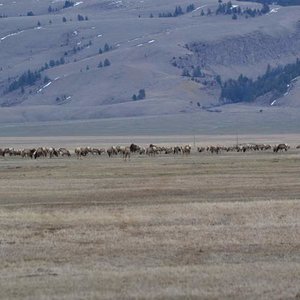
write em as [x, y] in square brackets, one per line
[165, 227]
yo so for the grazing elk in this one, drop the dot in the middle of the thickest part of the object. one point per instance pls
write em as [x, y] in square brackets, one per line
[186, 150]
[281, 147]
[28, 152]
[134, 148]
[64, 152]
[200, 149]
[82, 151]
[152, 150]
[112, 151]
[125, 152]
[214, 149]
[177, 150]
[40, 152]
[4, 151]
[53, 152]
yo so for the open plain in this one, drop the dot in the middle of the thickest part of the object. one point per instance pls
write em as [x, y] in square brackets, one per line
[166, 227]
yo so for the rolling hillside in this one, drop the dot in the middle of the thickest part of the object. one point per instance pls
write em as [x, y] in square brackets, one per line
[88, 58]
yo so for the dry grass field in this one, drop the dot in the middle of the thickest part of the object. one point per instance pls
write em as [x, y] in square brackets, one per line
[197, 227]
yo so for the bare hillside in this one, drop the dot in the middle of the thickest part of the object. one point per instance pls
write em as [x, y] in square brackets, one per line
[87, 59]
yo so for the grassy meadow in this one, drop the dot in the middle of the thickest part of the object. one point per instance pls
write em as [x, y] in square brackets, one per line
[204, 226]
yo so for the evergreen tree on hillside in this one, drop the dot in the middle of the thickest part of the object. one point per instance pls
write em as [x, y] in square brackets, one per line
[106, 62]
[80, 18]
[178, 11]
[265, 8]
[274, 80]
[68, 4]
[185, 73]
[142, 94]
[197, 72]
[106, 47]
[190, 8]
[28, 78]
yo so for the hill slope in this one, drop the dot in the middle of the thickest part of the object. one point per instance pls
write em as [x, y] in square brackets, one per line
[67, 47]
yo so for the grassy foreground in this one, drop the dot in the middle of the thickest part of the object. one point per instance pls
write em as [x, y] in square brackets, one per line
[202, 226]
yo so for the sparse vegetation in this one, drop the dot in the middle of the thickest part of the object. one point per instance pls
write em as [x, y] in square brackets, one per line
[82, 18]
[274, 80]
[178, 11]
[46, 79]
[53, 63]
[51, 9]
[78, 48]
[141, 95]
[197, 72]
[68, 4]
[28, 78]
[229, 9]
[106, 48]
[61, 99]
[190, 8]
[185, 73]
[106, 63]
[277, 2]
[148, 48]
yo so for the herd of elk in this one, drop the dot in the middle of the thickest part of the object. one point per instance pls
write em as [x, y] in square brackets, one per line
[126, 151]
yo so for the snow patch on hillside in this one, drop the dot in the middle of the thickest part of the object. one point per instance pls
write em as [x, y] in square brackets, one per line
[11, 34]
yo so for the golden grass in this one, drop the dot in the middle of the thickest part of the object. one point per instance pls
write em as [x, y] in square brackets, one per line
[203, 226]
